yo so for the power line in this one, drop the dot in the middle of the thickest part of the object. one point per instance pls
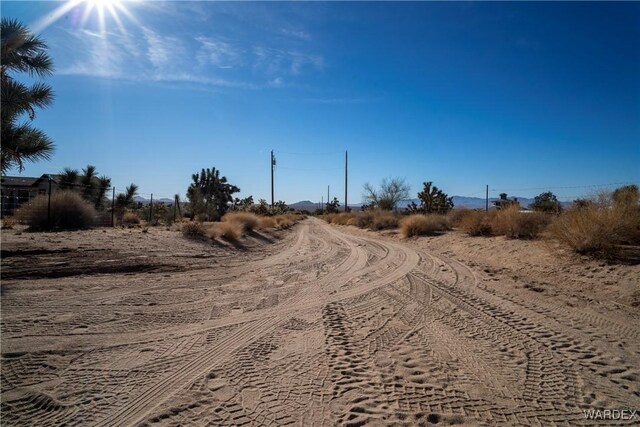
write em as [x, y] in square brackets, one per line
[327, 153]
[567, 187]
[309, 170]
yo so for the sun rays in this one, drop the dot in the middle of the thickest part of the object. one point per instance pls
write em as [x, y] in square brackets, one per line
[89, 13]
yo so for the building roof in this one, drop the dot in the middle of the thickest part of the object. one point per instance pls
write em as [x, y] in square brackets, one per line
[23, 181]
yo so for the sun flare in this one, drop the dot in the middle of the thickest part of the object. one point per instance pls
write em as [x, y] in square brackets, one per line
[83, 13]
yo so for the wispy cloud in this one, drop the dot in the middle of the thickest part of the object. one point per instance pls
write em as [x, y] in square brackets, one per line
[209, 59]
[337, 100]
[218, 53]
[298, 34]
[157, 59]
[278, 61]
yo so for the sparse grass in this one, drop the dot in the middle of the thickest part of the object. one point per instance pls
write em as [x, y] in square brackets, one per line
[194, 230]
[422, 225]
[231, 231]
[246, 220]
[476, 223]
[598, 229]
[519, 225]
[68, 212]
[130, 218]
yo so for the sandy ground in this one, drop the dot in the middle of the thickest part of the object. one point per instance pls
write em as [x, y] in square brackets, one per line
[316, 325]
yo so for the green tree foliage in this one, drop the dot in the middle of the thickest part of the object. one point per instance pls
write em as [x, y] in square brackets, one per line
[546, 202]
[504, 202]
[210, 194]
[125, 200]
[91, 187]
[261, 208]
[279, 208]
[22, 52]
[68, 179]
[434, 200]
[333, 206]
[244, 205]
[87, 182]
[391, 191]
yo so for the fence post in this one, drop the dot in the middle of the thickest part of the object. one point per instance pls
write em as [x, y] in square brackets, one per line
[113, 206]
[49, 203]
[151, 209]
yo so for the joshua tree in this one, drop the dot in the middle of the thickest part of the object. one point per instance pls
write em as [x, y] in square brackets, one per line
[333, 206]
[210, 193]
[22, 51]
[68, 178]
[125, 200]
[432, 199]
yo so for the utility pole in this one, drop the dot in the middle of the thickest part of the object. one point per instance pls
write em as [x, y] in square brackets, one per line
[327, 197]
[151, 208]
[113, 206]
[322, 203]
[49, 203]
[486, 206]
[273, 163]
[346, 175]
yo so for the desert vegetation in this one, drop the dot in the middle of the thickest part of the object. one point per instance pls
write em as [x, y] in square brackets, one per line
[387, 196]
[423, 225]
[210, 194]
[234, 225]
[23, 51]
[603, 226]
[68, 211]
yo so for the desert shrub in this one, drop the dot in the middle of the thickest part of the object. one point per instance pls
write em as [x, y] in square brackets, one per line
[364, 219]
[476, 223]
[598, 228]
[194, 230]
[130, 218]
[353, 221]
[8, 222]
[329, 218]
[421, 225]
[457, 215]
[68, 212]
[519, 225]
[284, 221]
[247, 220]
[228, 230]
[342, 218]
[268, 222]
[383, 220]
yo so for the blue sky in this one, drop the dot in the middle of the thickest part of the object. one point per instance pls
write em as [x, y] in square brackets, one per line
[520, 96]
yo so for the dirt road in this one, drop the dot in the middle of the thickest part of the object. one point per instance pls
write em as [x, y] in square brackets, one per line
[322, 327]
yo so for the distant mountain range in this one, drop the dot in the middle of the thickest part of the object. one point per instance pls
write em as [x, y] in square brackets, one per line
[139, 199]
[458, 202]
[307, 205]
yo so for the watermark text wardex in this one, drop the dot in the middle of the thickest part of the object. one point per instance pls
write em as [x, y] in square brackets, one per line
[611, 414]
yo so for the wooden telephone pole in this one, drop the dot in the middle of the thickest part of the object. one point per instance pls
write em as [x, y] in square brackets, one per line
[273, 163]
[346, 175]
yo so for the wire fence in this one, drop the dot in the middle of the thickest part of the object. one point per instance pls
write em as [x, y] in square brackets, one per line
[158, 208]
[40, 201]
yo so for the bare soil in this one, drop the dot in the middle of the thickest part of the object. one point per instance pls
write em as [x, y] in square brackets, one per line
[315, 325]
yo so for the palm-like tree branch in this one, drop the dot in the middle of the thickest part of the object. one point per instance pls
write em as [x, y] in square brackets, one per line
[22, 51]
